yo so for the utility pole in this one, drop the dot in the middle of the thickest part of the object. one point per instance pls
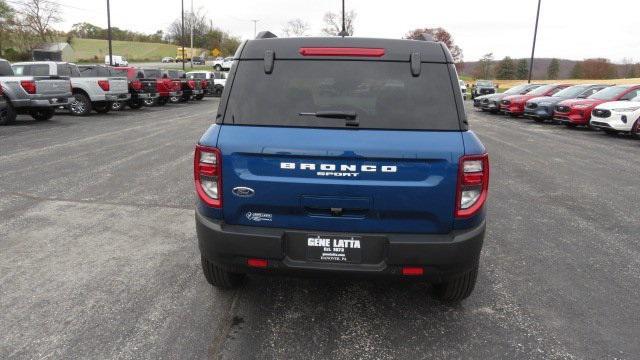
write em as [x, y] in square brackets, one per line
[255, 27]
[109, 33]
[533, 48]
[191, 49]
[344, 32]
[182, 37]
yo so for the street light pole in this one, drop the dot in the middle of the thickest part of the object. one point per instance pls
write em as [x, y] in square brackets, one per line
[255, 27]
[533, 48]
[191, 49]
[182, 37]
[109, 33]
[344, 32]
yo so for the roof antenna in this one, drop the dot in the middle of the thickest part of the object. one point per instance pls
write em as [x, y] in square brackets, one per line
[344, 32]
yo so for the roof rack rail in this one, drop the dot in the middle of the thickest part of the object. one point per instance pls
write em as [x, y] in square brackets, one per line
[265, 35]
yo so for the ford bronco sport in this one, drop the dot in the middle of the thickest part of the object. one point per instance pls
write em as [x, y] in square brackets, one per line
[342, 156]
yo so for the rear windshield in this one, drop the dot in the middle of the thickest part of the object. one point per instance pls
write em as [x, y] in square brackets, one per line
[384, 95]
[154, 74]
[31, 70]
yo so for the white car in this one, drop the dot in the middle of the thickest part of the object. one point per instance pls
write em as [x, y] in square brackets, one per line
[224, 64]
[117, 60]
[463, 88]
[168, 59]
[215, 80]
[618, 117]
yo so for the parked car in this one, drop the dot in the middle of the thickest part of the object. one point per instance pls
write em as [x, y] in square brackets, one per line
[513, 105]
[36, 95]
[166, 88]
[215, 81]
[483, 87]
[293, 179]
[190, 88]
[463, 88]
[618, 117]
[577, 112]
[90, 92]
[542, 108]
[224, 64]
[168, 59]
[117, 60]
[491, 102]
[140, 88]
[198, 60]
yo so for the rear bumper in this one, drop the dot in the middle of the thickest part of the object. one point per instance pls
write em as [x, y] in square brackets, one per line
[117, 97]
[40, 103]
[442, 256]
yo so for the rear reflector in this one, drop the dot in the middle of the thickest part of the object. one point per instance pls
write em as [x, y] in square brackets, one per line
[412, 271]
[257, 263]
[341, 51]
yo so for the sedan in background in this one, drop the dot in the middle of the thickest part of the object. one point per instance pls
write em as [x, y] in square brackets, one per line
[541, 109]
[514, 105]
[577, 112]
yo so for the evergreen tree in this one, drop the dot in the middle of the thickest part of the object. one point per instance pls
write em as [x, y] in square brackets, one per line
[506, 69]
[553, 69]
[522, 69]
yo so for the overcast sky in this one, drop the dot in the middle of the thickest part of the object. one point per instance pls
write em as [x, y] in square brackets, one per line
[571, 29]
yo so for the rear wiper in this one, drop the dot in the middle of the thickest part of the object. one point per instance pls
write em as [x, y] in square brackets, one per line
[350, 116]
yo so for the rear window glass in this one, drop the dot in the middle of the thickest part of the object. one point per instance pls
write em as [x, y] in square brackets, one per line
[31, 70]
[384, 95]
[154, 74]
[197, 75]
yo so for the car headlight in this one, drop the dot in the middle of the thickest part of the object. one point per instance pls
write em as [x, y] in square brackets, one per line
[580, 106]
[629, 109]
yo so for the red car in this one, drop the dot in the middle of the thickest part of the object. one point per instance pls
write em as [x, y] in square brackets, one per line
[574, 112]
[514, 105]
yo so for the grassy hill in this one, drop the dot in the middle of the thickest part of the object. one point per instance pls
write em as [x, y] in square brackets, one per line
[92, 50]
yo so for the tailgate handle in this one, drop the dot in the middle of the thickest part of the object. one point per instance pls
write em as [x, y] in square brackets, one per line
[335, 206]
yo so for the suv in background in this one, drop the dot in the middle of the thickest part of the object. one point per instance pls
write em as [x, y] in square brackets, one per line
[618, 117]
[574, 112]
[513, 105]
[482, 87]
[223, 64]
[335, 166]
[541, 109]
[491, 102]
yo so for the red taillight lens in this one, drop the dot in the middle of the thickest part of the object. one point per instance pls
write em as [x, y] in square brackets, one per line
[136, 85]
[473, 185]
[412, 271]
[205, 84]
[29, 86]
[177, 85]
[104, 84]
[207, 173]
[192, 84]
[257, 263]
[341, 51]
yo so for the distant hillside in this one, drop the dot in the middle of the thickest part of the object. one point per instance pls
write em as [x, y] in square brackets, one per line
[91, 50]
[539, 68]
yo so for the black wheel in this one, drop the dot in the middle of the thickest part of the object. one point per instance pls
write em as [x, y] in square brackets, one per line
[199, 97]
[81, 105]
[218, 67]
[117, 106]
[175, 99]
[635, 130]
[7, 114]
[459, 288]
[150, 102]
[134, 104]
[102, 107]
[219, 277]
[217, 90]
[42, 114]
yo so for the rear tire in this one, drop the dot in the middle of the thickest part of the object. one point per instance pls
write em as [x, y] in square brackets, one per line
[81, 106]
[219, 277]
[42, 114]
[175, 99]
[102, 107]
[459, 288]
[218, 67]
[150, 102]
[8, 114]
[135, 104]
[217, 91]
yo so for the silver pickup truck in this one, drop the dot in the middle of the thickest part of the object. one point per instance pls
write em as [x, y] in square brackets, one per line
[37, 96]
[90, 93]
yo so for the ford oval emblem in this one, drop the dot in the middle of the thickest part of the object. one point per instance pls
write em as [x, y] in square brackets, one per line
[243, 191]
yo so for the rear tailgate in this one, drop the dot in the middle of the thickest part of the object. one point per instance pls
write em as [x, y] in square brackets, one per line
[52, 85]
[118, 85]
[374, 181]
[148, 85]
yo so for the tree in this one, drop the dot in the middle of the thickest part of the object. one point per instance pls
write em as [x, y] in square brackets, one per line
[629, 69]
[6, 23]
[505, 69]
[484, 67]
[295, 28]
[333, 23]
[576, 72]
[441, 35]
[39, 16]
[598, 68]
[522, 69]
[553, 69]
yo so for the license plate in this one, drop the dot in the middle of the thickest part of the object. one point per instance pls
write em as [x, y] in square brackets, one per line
[338, 249]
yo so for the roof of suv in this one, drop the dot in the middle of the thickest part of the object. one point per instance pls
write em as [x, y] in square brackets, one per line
[394, 49]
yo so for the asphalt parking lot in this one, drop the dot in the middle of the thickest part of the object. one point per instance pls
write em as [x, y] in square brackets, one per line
[99, 259]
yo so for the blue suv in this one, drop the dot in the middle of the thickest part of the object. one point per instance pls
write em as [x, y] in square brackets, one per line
[342, 156]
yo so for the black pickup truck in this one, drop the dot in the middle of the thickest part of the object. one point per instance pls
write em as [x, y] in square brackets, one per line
[190, 87]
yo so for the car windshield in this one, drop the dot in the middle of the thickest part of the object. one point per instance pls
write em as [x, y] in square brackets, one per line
[383, 95]
[572, 91]
[484, 83]
[541, 90]
[517, 89]
[609, 93]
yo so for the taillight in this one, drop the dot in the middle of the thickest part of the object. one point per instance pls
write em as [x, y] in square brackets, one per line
[29, 86]
[177, 85]
[207, 172]
[192, 84]
[104, 84]
[136, 85]
[204, 84]
[473, 185]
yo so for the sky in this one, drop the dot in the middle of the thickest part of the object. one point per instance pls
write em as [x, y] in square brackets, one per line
[570, 29]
